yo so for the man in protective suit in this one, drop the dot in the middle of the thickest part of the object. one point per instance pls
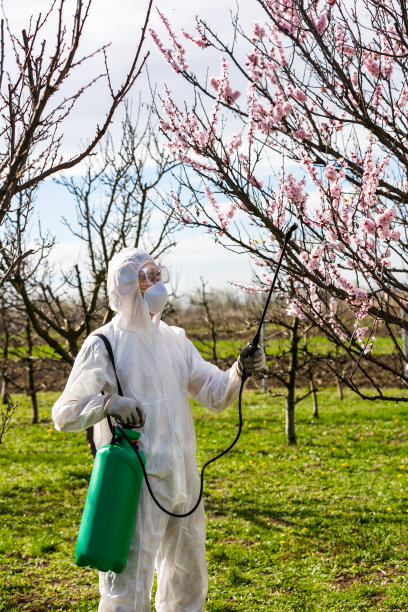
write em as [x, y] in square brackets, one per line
[159, 369]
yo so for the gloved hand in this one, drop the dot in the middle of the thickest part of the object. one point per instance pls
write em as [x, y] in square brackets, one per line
[256, 363]
[125, 410]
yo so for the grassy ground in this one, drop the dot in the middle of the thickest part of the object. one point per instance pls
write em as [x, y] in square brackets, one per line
[319, 527]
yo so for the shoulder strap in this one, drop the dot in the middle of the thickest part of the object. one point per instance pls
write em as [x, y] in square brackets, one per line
[110, 353]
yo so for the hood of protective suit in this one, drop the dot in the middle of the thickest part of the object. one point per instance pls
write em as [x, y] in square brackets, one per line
[124, 294]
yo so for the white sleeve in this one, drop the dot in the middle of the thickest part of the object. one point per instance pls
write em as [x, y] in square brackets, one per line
[209, 385]
[81, 405]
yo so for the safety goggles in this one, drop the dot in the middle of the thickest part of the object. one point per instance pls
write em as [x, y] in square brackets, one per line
[150, 274]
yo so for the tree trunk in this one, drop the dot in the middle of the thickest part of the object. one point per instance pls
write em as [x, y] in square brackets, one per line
[290, 422]
[3, 391]
[90, 440]
[34, 406]
[312, 387]
[32, 391]
[340, 388]
[263, 344]
[4, 366]
[211, 322]
[291, 386]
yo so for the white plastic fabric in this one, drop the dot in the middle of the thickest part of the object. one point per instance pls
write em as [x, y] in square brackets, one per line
[158, 366]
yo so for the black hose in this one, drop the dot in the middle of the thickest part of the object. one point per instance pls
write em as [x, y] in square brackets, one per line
[156, 501]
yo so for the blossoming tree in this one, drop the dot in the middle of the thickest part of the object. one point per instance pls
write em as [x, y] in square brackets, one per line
[325, 101]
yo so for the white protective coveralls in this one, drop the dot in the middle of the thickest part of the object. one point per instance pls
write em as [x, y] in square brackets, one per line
[158, 366]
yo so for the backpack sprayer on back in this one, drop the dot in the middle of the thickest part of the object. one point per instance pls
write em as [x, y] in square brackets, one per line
[114, 489]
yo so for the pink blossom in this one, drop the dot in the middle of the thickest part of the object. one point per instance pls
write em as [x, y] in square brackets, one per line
[215, 83]
[294, 191]
[342, 47]
[315, 301]
[284, 15]
[333, 305]
[315, 257]
[331, 319]
[167, 54]
[279, 45]
[295, 310]
[367, 225]
[251, 288]
[271, 209]
[176, 202]
[387, 69]
[356, 159]
[185, 218]
[258, 183]
[211, 197]
[222, 86]
[383, 221]
[360, 295]
[369, 347]
[386, 217]
[175, 56]
[299, 95]
[231, 210]
[259, 32]
[321, 24]
[348, 50]
[235, 143]
[331, 173]
[164, 125]
[371, 176]
[301, 133]
[201, 41]
[372, 66]
[384, 232]
[339, 34]
[360, 332]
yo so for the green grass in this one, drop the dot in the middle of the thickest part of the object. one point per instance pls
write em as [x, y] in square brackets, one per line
[321, 526]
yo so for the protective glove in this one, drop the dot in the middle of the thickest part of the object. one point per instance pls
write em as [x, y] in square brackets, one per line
[256, 363]
[125, 410]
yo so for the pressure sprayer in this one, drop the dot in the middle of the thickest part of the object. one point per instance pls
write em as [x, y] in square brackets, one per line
[114, 489]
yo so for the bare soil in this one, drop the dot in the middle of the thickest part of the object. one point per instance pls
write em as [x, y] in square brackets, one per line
[52, 375]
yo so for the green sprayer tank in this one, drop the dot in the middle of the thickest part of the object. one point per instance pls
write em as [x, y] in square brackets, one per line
[110, 508]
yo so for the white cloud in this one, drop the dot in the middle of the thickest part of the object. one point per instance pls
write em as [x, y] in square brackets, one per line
[65, 255]
[197, 255]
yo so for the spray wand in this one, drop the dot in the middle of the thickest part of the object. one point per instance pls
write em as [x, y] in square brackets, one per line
[255, 340]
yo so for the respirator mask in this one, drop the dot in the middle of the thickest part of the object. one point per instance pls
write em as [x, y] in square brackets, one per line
[151, 281]
[156, 297]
